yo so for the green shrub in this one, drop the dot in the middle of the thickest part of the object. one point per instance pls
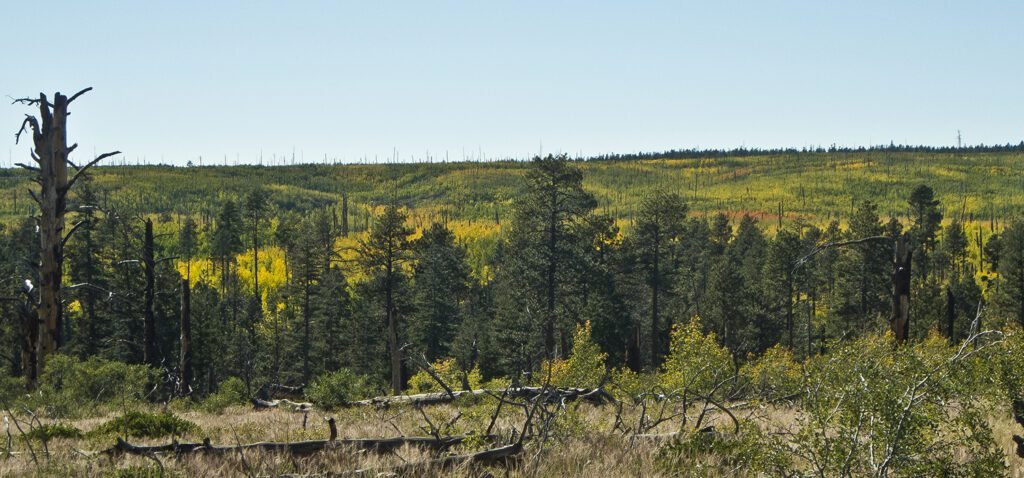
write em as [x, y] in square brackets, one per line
[917, 405]
[54, 430]
[696, 362]
[70, 386]
[136, 471]
[231, 392]
[773, 375]
[11, 388]
[585, 367]
[752, 450]
[626, 384]
[337, 389]
[148, 425]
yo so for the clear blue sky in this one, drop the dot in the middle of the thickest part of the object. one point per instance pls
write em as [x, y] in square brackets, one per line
[176, 80]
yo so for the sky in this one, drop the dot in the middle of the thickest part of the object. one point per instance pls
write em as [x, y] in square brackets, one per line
[266, 81]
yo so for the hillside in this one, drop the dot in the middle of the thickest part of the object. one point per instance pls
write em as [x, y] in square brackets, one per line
[815, 186]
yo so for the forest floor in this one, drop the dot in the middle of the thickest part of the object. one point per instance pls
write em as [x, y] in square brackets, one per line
[580, 443]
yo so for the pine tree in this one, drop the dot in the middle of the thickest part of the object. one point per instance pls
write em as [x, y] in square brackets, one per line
[862, 295]
[655, 241]
[1010, 298]
[440, 285]
[383, 253]
[544, 245]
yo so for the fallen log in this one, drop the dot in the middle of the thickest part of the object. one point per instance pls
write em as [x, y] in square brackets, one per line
[270, 391]
[503, 455]
[597, 396]
[284, 403]
[297, 448]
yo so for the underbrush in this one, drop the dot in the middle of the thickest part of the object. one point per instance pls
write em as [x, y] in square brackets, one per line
[147, 425]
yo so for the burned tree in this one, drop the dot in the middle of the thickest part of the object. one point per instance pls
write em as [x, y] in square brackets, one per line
[50, 151]
[900, 321]
[185, 364]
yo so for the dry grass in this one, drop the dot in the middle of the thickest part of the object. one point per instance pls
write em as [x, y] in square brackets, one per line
[583, 444]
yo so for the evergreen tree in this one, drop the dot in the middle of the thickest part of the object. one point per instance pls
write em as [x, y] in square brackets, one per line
[780, 281]
[440, 284]
[545, 258]
[862, 294]
[383, 253]
[1010, 297]
[927, 220]
[655, 242]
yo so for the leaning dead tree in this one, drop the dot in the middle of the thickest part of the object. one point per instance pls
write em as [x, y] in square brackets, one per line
[42, 333]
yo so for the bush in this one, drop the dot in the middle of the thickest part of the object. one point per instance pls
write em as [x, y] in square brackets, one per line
[70, 386]
[148, 425]
[918, 405]
[696, 362]
[626, 384]
[773, 375]
[50, 431]
[337, 389]
[449, 371]
[585, 367]
[231, 392]
[751, 450]
[11, 388]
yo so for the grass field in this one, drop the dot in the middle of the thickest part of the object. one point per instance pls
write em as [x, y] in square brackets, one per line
[585, 445]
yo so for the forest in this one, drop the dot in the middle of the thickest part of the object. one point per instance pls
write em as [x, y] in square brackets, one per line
[824, 312]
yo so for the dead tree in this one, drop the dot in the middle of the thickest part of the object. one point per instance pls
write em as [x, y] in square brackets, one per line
[344, 215]
[899, 323]
[185, 365]
[149, 319]
[50, 152]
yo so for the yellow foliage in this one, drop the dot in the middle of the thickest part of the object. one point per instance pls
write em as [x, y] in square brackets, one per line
[696, 362]
[448, 370]
[585, 367]
[774, 374]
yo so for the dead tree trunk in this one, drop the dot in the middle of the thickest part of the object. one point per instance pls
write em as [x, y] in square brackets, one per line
[900, 321]
[185, 366]
[149, 325]
[344, 215]
[633, 349]
[50, 152]
[950, 314]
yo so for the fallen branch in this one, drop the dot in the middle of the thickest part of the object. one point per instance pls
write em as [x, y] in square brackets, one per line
[298, 448]
[495, 456]
[596, 396]
[282, 403]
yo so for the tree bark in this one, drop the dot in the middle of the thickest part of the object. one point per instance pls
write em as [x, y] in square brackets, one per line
[42, 335]
[344, 215]
[186, 339]
[394, 352]
[149, 320]
[655, 286]
[900, 320]
[950, 315]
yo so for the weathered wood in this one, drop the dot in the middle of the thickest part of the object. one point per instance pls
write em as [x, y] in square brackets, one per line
[149, 354]
[282, 403]
[899, 322]
[298, 448]
[185, 341]
[503, 455]
[270, 391]
[42, 335]
[596, 396]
